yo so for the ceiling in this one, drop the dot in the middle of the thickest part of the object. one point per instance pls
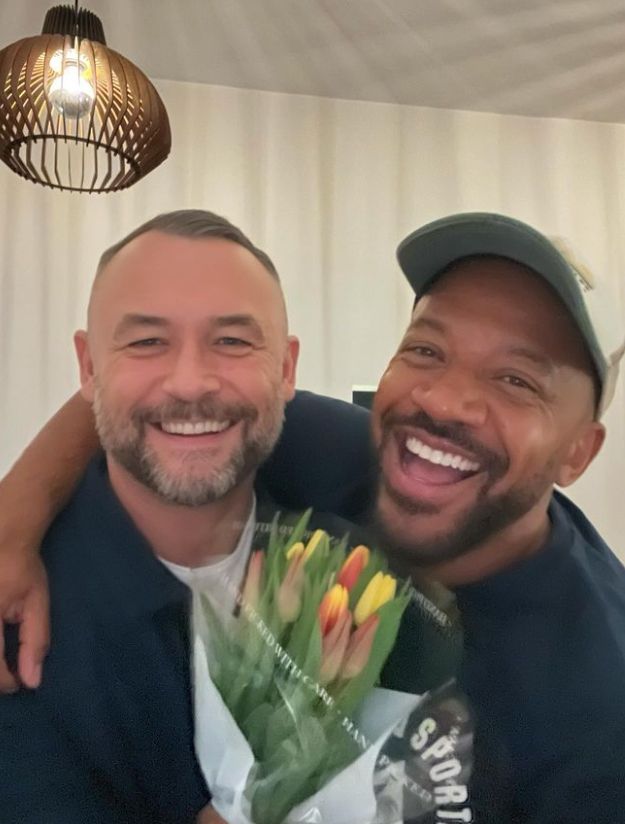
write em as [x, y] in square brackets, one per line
[527, 57]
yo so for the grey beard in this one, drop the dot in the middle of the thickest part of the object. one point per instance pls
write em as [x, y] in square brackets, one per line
[201, 485]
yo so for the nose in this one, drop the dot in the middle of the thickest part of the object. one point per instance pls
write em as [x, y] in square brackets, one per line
[192, 373]
[452, 395]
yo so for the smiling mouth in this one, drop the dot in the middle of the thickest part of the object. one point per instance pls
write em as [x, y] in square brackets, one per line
[193, 428]
[446, 466]
[429, 471]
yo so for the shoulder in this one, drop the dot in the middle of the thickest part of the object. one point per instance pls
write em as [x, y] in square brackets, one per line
[323, 458]
[590, 558]
[316, 423]
[74, 536]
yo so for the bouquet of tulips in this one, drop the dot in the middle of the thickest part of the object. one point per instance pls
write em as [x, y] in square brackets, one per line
[289, 724]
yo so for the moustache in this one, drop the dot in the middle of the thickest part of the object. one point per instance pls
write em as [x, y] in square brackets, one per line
[207, 408]
[494, 463]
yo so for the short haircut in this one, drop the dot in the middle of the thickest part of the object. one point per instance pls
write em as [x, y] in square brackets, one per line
[192, 223]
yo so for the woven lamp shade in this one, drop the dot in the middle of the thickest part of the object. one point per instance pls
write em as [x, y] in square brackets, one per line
[75, 114]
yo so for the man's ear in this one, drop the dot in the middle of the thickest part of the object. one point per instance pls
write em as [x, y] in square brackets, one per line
[85, 364]
[289, 367]
[581, 453]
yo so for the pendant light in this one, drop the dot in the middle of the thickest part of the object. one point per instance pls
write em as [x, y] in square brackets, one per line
[75, 114]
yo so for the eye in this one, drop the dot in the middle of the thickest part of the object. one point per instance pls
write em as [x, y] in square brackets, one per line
[422, 351]
[146, 343]
[425, 351]
[229, 341]
[518, 383]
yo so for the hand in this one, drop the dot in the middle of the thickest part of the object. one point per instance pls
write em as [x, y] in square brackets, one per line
[209, 816]
[23, 601]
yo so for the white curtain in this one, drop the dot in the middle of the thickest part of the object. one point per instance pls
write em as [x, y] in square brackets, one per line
[328, 187]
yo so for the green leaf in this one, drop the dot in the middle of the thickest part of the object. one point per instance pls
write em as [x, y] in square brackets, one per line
[298, 530]
[254, 727]
[290, 775]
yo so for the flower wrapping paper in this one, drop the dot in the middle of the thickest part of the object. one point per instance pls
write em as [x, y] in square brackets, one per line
[227, 761]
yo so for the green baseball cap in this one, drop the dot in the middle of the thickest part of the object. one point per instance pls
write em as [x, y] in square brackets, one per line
[428, 251]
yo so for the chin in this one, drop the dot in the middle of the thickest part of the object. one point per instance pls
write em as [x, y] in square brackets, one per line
[418, 539]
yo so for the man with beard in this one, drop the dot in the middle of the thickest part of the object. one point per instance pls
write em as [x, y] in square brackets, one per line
[493, 397]
[188, 364]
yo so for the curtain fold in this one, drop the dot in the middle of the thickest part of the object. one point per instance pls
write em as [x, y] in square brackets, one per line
[328, 188]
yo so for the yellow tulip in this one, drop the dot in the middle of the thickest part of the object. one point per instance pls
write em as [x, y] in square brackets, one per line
[380, 589]
[313, 542]
[295, 550]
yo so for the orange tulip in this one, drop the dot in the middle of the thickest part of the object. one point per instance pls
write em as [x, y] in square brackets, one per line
[253, 579]
[289, 598]
[332, 606]
[359, 648]
[353, 565]
[333, 648]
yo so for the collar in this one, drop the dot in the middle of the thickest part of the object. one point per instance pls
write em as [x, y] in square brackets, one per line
[123, 572]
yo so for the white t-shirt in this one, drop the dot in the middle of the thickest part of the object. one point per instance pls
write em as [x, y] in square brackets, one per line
[221, 578]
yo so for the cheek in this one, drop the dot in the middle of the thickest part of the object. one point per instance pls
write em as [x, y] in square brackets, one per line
[125, 383]
[531, 441]
[394, 389]
[260, 381]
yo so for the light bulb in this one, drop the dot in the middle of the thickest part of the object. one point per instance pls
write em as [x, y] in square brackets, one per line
[70, 92]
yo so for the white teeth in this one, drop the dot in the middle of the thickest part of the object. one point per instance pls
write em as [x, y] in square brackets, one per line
[197, 428]
[436, 456]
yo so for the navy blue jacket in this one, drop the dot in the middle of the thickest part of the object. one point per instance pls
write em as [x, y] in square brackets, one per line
[108, 737]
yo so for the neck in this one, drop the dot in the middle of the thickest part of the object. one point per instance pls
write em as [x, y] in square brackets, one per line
[519, 541]
[185, 535]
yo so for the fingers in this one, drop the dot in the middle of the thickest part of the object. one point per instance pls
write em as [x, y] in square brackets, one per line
[210, 816]
[34, 633]
[8, 682]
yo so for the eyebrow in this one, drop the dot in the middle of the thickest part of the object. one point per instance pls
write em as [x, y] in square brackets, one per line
[134, 320]
[248, 321]
[541, 361]
[436, 325]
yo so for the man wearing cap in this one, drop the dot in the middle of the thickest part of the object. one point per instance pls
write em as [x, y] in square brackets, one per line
[493, 397]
